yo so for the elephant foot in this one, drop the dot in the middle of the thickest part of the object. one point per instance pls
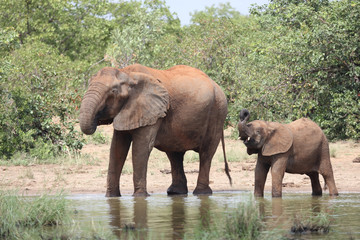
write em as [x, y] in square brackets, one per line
[177, 190]
[316, 194]
[258, 194]
[202, 190]
[141, 194]
[113, 193]
[276, 195]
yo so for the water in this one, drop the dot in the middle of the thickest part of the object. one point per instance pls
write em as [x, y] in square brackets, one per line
[165, 217]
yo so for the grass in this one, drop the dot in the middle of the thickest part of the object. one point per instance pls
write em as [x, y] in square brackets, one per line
[244, 222]
[342, 149]
[235, 152]
[333, 152]
[234, 133]
[43, 217]
[20, 214]
[25, 159]
[303, 223]
[236, 155]
[127, 169]
[191, 157]
[98, 138]
[28, 174]
[157, 160]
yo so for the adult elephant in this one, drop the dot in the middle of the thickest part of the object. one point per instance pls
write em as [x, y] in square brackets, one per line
[298, 147]
[173, 110]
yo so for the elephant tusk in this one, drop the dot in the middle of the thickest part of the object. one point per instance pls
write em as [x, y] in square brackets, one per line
[248, 139]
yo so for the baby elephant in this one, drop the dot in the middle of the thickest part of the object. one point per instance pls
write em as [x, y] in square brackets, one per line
[298, 147]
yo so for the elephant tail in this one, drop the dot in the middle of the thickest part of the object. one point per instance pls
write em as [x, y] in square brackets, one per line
[227, 170]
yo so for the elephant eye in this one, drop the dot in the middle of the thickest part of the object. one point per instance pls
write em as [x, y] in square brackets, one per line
[114, 90]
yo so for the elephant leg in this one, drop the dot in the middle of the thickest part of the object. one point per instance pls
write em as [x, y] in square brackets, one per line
[143, 143]
[315, 183]
[326, 171]
[261, 172]
[202, 185]
[179, 182]
[331, 184]
[330, 181]
[119, 149]
[206, 154]
[278, 167]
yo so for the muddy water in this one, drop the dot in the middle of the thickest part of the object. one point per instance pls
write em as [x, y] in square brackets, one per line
[162, 217]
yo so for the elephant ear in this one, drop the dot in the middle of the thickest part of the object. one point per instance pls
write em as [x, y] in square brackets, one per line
[279, 140]
[148, 101]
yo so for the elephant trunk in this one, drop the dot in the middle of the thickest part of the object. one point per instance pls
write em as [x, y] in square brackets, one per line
[89, 107]
[243, 129]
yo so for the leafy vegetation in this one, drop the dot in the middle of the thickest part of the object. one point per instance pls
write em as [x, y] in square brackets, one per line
[37, 91]
[315, 51]
[288, 59]
[244, 222]
[43, 217]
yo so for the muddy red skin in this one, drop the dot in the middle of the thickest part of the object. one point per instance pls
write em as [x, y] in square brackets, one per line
[298, 147]
[173, 110]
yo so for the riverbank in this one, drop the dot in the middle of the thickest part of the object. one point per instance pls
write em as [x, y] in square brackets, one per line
[87, 174]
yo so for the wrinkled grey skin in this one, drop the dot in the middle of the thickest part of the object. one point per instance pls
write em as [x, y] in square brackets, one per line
[298, 147]
[173, 110]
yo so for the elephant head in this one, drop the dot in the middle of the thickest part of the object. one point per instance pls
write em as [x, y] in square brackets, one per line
[267, 138]
[244, 117]
[128, 99]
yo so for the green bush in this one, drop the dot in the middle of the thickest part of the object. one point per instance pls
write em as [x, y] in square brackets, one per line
[316, 61]
[98, 138]
[287, 60]
[37, 104]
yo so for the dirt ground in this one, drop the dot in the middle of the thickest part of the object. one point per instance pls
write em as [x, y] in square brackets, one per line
[82, 175]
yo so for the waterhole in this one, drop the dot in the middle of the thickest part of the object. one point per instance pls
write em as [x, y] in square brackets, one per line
[175, 217]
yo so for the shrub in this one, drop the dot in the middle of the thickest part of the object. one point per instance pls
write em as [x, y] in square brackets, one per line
[37, 108]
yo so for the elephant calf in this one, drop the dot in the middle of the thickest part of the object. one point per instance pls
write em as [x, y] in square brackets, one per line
[298, 147]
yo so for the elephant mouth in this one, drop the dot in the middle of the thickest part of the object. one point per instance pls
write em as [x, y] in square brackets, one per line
[104, 121]
[101, 118]
[248, 141]
[96, 122]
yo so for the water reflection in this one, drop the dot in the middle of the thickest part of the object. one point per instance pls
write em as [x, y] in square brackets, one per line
[176, 217]
[275, 217]
[117, 210]
[280, 213]
[140, 213]
[280, 205]
[205, 211]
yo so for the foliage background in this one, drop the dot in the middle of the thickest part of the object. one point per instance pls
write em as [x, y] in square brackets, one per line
[288, 59]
